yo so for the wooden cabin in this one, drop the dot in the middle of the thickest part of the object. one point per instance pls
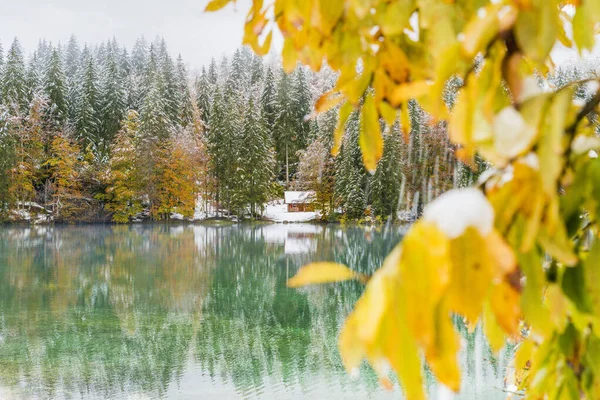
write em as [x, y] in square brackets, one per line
[299, 201]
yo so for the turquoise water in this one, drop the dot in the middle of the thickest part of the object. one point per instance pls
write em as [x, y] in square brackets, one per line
[190, 312]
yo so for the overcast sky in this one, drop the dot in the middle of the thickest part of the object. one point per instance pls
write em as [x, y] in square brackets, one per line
[198, 36]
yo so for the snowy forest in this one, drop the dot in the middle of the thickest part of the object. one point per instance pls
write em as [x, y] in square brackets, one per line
[106, 133]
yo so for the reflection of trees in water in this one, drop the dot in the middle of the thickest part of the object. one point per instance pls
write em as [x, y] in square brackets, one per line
[255, 330]
[98, 311]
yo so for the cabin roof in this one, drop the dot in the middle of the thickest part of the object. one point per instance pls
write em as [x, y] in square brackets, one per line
[299, 197]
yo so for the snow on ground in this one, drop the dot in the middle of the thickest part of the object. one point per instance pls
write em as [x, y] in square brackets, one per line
[277, 211]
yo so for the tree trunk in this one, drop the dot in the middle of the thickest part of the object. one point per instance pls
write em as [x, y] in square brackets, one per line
[287, 168]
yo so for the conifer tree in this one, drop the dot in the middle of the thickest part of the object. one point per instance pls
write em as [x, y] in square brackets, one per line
[34, 78]
[112, 97]
[203, 96]
[268, 99]
[284, 129]
[55, 89]
[385, 183]
[88, 122]
[301, 102]
[213, 75]
[13, 79]
[255, 163]
[184, 97]
[350, 171]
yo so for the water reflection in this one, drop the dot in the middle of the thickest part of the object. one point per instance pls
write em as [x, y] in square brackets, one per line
[159, 311]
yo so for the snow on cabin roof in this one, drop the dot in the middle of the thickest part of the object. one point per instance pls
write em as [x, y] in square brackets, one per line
[299, 197]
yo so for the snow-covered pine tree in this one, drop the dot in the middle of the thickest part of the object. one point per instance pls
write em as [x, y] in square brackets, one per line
[169, 87]
[213, 75]
[255, 163]
[268, 99]
[184, 97]
[386, 181]
[301, 101]
[112, 96]
[284, 129]
[88, 117]
[216, 145]
[350, 170]
[55, 90]
[34, 81]
[13, 82]
[73, 57]
[256, 70]
[203, 96]
[356, 198]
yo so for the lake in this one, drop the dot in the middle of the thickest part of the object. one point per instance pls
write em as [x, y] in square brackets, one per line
[192, 311]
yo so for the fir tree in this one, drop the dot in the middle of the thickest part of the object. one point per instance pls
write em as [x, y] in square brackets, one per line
[267, 99]
[88, 109]
[54, 89]
[184, 97]
[13, 79]
[112, 97]
[203, 96]
[255, 163]
[385, 183]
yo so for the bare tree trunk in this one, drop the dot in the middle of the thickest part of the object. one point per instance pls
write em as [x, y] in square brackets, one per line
[287, 168]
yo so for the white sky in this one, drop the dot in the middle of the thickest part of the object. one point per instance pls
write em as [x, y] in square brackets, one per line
[198, 36]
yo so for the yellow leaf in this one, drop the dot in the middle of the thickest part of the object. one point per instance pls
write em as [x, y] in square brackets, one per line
[393, 59]
[471, 275]
[412, 90]
[329, 13]
[326, 102]
[377, 329]
[492, 330]
[536, 29]
[215, 5]
[442, 356]
[505, 302]
[395, 18]
[425, 273]
[323, 272]
[523, 357]
[370, 139]
[501, 255]
[583, 28]
[290, 57]
[480, 30]
[338, 135]
[388, 113]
